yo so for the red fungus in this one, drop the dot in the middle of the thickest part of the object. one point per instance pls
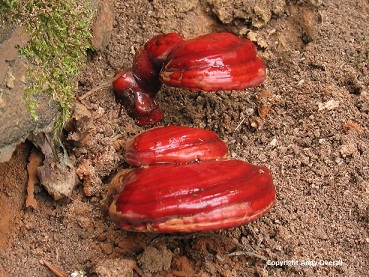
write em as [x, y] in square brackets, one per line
[186, 184]
[217, 61]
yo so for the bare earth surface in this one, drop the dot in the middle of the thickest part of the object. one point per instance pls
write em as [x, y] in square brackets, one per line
[308, 123]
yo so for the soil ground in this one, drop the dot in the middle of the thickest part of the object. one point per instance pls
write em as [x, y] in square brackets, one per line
[308, 123]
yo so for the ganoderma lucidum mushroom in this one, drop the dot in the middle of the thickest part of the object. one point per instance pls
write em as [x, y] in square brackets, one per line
[216, 61]
[185, 183]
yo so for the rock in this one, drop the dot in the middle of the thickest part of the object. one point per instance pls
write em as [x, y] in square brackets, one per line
[15, 121]
[155, 259]
[305, 18]
[102, 27]
[257, 13]
[115, 267]
[16, 124]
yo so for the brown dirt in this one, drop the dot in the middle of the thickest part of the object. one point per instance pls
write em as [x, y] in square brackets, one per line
[308, 123]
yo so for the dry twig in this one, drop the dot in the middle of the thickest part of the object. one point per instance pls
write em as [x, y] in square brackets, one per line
[101, 86]
[239, 124]
[54, 269]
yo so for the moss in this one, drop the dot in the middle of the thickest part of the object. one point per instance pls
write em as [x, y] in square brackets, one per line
[60, 36]
[6, 5]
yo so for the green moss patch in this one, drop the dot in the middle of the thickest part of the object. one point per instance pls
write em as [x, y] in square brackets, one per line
[60, 35]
